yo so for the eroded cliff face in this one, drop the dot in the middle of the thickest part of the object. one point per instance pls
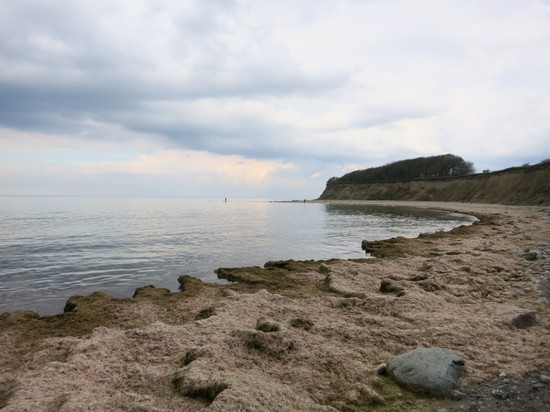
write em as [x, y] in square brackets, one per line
[516, 186]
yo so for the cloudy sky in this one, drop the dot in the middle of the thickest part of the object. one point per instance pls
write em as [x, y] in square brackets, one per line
[263, 98]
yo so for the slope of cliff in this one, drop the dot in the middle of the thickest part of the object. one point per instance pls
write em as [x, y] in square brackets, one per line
[528, 185]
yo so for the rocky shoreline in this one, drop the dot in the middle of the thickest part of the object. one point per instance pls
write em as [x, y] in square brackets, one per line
[306, 335]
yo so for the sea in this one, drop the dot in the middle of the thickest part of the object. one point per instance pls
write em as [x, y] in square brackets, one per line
[54, 247]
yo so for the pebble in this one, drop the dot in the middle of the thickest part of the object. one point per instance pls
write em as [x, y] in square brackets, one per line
[474, 407]
[536, 387]
[545, 378]
[457, 395]
[497, 393]
[530, 255]
[382, 369]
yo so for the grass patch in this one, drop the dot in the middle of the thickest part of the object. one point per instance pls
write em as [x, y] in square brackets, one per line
[401, 246]
[277, 276]
[394, 247]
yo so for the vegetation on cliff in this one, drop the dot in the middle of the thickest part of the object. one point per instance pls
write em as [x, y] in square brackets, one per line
[447, 165]
[525, 185]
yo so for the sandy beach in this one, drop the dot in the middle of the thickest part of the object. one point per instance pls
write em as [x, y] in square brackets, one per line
[300, 335]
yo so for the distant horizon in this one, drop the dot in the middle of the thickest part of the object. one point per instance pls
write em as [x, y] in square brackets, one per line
[221, 197]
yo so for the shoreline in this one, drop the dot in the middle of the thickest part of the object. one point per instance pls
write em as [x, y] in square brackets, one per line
[485, 208]
[201, 348]
[138, 257]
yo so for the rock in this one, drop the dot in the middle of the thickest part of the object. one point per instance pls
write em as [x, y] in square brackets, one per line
[418, 278]
[544, 378]
[472, 407]
[302, 323]
[229, 293]
[433, 371]
[457, 395]
[382, 369]
[195, 353]
[206, 313]
[530, 255]
[518, 317]
[24, 314]
[537, 387]
[71, 305]
[274, 345]
[499, 394]
[353, 396]
[430, 286]
[324, 269]
[387, 286]
[267, 326]
[205, 389]
[372, 398]
[363, 395]
[150, 291]
[426, 267]
[189, 283]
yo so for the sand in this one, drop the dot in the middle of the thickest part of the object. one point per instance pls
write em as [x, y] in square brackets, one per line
[307, 338]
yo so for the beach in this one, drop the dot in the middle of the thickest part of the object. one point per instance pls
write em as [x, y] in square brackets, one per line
[301, 335]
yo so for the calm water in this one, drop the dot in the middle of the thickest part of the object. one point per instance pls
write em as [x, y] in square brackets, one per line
[55, 247]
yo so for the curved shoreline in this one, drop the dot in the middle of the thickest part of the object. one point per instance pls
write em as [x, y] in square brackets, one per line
[169, 350]
[43, 270]
[476, 208]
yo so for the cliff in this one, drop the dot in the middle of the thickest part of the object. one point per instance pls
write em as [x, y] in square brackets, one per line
[528, 185]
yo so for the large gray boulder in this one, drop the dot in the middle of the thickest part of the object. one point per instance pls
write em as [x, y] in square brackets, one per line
[432, 371]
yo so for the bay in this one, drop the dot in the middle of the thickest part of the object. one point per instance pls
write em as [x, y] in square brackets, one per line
[55, 247]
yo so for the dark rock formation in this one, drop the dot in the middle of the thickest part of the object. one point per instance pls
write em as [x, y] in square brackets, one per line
[518, 317]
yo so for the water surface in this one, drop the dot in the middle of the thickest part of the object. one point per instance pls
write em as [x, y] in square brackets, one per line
[55, 247]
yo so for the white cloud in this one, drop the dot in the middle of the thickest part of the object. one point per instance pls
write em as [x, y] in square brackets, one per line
[207, 166]
[50, 158]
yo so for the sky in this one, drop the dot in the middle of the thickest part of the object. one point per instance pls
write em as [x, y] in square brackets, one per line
[263, 99]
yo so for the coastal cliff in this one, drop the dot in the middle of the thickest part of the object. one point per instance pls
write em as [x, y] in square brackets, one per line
[527, 185]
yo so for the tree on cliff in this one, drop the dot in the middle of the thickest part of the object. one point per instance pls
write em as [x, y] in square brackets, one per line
[420, 168]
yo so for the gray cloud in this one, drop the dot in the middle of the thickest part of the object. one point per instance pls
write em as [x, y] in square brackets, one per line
[64, 63]
[348, 81]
